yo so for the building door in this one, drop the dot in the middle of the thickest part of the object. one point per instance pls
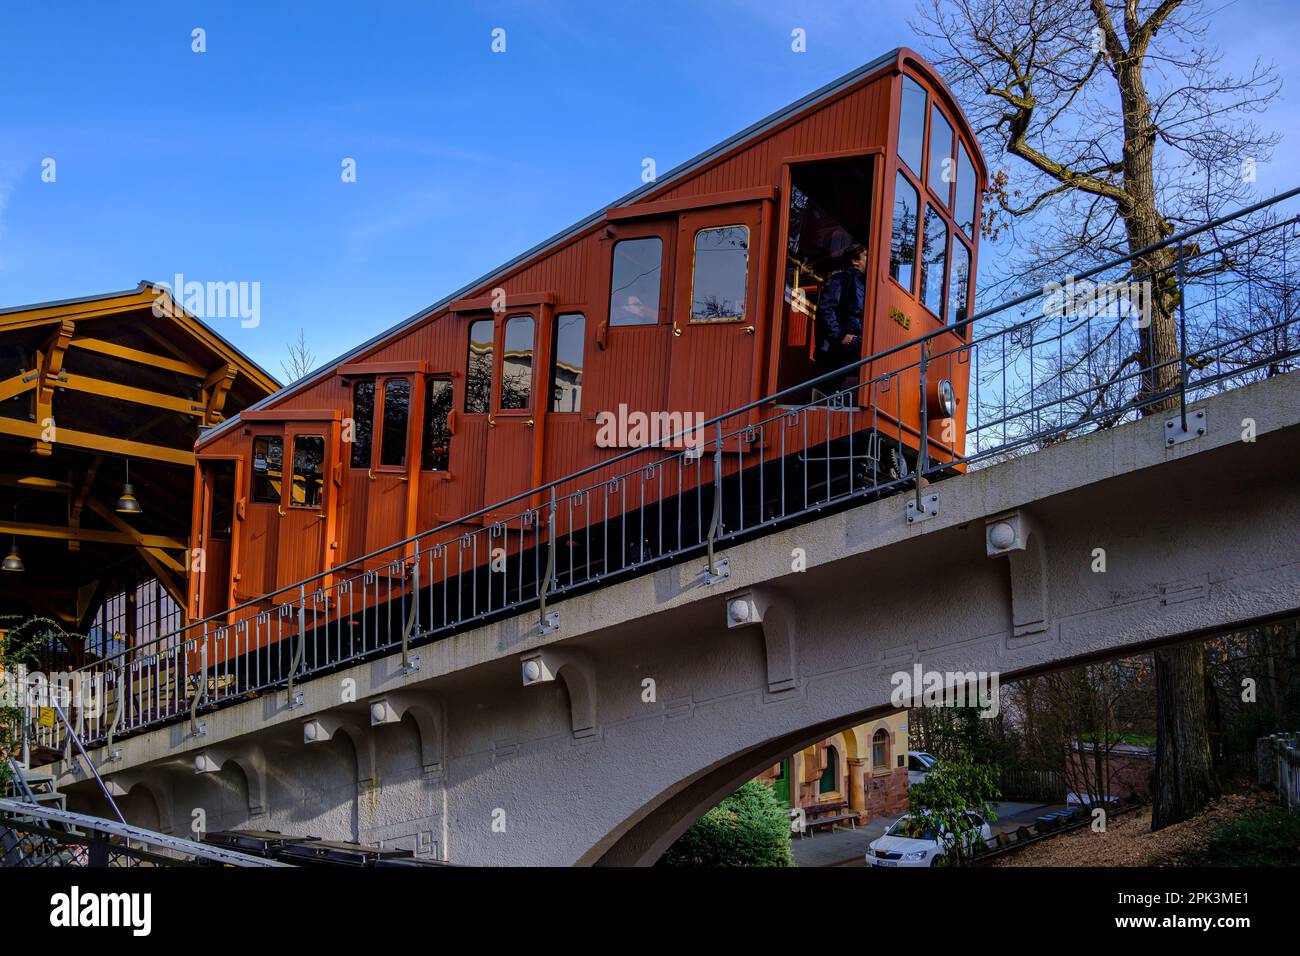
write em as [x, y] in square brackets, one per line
[716, 323]
[307, 504]
[518, 411]
[218, 505]
[393, 475]
[631, 296]
[782, 783]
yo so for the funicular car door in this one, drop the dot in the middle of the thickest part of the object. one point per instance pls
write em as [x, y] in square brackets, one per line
[518, 410]
[717, 323]
[393, 478]
[308, 505]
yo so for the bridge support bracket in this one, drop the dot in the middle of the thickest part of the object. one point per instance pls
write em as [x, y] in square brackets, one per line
[1017, 535]
[425, 710]
[720, 571]
[927, 508]
[323, 727]
[250, 760]
[775, 617]
[1176, 434]
[544, 666]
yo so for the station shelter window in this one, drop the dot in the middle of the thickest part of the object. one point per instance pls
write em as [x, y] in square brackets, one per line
[719, 274]
[435, 444]
[308, 485]
[566, 362]
[517, 363]
[478, 368]
[268, 456]
[635, 280]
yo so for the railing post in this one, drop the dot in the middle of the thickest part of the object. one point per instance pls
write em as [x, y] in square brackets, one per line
[299, 638]
[413, 619]
[545, 586]
[923, 450]
[1182, 339]
[717, 500]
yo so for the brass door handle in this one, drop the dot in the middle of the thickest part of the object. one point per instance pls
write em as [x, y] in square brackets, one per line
[530, 423]
[677, 331]
[280, 509]
[747, 329]
[492, 422]
[370, 473]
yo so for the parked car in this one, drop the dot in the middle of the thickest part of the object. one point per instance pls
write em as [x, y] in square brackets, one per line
[915, 840]
[919, 763]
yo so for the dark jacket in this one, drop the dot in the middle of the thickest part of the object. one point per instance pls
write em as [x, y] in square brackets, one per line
[839, 309]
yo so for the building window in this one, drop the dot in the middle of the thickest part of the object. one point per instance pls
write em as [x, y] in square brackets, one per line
[902, 238]
[566, 363]
[363, 422]
[635, 279]
[397, 413]
[964, 208]
[719, 274]
[934, 257]
[517, 363]
[911, 124]
[942, 168]
[436, 447]
[308, 485]
[268, 453]
[830, 781]
[959, 284]
[880, 749]
[478, 367]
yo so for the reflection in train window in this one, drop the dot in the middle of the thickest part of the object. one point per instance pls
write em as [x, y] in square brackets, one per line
[902, 239]
[934, 256]
[566, 363]
[363, 422]
[719, 275]
[478, 367]
[942, 171]
[959, 283]
[268, 454]
[517, 362]
[308, 471]
[397, 412]
[634, 281]
[435, 448]
[911, 124]
[965, 204]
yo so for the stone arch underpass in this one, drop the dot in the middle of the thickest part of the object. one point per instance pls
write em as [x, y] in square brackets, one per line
[600, 742]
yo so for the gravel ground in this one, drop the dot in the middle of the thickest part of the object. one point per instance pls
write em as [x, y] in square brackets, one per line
[1128, 840]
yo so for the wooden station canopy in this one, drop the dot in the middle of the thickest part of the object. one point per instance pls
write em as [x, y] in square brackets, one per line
[88, 388]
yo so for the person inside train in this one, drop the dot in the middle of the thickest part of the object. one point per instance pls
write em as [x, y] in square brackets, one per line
[839, 317]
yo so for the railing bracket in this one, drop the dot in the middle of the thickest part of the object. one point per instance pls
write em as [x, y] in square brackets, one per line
[1176, 433]
[200, 729]
[411, 666]
[550, 623]
[720, 571]
[929, 508]
[295, 699]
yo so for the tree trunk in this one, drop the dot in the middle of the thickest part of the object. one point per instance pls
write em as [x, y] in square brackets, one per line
[1184, 777]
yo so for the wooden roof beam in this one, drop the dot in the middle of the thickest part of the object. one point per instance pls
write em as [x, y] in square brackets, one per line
[218, 383]
[27, 529]
[102, 443]
[50, 367]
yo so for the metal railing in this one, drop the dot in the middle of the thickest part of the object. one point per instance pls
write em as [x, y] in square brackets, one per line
[45, 836]
[1224, 291]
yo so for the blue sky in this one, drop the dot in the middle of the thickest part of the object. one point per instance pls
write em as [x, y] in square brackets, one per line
[225, 165]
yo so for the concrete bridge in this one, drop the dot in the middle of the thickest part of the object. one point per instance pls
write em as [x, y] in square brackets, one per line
[601, 742]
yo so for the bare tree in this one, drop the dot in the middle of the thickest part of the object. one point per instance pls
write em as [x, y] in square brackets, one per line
[300, 359]
[1124, 130]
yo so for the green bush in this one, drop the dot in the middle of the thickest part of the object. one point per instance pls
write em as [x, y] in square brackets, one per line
[1270, 838]
[748, 828]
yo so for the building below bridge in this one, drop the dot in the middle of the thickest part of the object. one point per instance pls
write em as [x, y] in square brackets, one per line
[863, 769]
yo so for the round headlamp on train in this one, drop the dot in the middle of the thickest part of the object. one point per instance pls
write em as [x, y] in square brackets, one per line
[940, 399]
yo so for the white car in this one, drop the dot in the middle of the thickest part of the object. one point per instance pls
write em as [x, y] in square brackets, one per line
[916, 841]
[919, 763]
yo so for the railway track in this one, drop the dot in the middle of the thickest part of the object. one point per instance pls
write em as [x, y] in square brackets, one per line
[1048, 826]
